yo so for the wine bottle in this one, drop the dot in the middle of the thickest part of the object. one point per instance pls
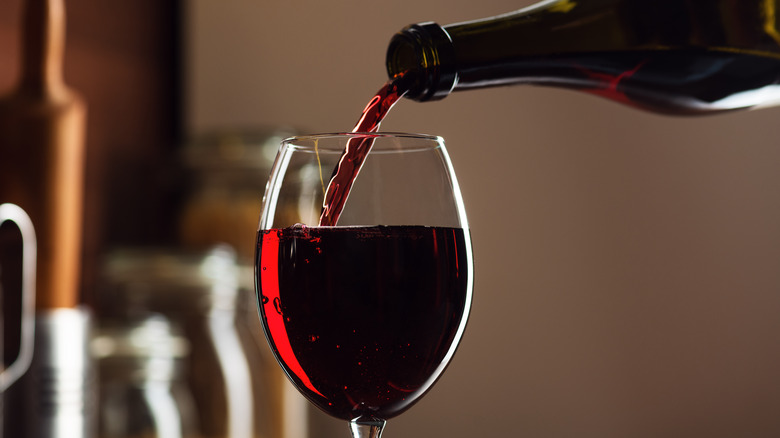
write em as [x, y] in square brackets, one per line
[42, 149]
[666, 56]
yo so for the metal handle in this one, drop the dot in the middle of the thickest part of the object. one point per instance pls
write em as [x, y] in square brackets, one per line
[14, 213]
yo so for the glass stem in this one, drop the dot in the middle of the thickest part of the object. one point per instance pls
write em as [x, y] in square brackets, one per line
[366, 426]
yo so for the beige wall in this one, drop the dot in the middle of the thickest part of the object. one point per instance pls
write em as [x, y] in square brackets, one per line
[628, 282]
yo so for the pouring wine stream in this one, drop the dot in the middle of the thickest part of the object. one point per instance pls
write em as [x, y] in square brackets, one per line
[358, 148]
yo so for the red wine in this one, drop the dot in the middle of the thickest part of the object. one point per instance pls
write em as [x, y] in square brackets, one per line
[363, 319]
[358, 148]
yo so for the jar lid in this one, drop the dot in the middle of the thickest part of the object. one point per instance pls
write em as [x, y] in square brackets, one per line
[149, 337]
[139, 349]
[161, 278]
[235, 150]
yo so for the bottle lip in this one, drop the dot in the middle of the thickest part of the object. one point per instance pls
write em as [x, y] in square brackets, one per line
[424, 51]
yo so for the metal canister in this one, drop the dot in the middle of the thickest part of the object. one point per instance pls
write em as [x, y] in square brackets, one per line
[58, 391]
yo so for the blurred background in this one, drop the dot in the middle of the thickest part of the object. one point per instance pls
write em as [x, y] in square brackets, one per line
[627, 280]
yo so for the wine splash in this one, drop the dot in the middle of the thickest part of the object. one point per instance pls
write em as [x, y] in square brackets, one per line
[358, 148]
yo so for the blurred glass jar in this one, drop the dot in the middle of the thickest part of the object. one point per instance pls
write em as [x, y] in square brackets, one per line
[142, 390]
[198, 291]
[227, 173]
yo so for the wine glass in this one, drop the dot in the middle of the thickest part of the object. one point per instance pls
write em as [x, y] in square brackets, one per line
[364, 315]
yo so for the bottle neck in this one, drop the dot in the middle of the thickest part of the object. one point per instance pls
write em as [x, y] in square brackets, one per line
[492, 51]
[43, 44]
[423, 53]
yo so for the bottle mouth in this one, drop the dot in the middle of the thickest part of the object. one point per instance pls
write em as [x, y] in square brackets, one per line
[424, 52]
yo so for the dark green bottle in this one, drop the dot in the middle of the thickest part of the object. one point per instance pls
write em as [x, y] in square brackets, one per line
[667, 56]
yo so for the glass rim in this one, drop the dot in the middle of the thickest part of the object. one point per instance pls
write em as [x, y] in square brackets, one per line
[312, 140]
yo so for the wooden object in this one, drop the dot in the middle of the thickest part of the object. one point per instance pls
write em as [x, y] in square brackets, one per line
[42, 126]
